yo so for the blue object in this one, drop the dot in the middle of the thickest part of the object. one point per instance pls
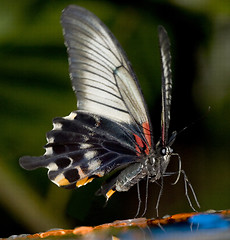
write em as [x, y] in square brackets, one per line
[208, 221]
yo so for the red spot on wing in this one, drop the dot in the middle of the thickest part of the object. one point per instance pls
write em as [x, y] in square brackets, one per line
[140, 144]
[147, 132]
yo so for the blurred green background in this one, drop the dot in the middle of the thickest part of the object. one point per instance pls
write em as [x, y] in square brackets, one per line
[35, 87]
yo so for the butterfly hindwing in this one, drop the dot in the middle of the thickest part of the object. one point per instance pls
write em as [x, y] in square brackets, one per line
[84, 146]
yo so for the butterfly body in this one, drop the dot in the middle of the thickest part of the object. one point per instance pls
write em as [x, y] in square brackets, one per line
[151, 167]
[111, 129]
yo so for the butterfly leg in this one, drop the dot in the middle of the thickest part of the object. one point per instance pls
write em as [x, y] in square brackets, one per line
[139, 200]
[186, 184]
[179, 171]
[146, 195]
[159, 195]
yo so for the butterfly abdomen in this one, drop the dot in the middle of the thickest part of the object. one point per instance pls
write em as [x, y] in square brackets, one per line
[130, 176]
[127, 178]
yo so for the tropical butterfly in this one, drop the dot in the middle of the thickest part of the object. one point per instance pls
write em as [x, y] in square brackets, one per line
[111, 129]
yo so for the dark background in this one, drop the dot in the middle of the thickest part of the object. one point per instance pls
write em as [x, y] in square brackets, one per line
[35, 88]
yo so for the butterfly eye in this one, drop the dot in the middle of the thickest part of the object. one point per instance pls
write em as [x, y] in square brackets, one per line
[166, 151]
[163, 151]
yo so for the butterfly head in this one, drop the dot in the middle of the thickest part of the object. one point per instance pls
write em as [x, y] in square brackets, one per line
[164, 154]
[161, 157]
[164, 148]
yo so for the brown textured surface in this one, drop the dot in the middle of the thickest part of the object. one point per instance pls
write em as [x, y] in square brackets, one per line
[108, 229]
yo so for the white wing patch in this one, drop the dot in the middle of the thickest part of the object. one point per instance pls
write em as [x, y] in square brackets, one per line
[95, 164]
[52, 166]
[85, 146]
[57, 126]
[49, 151]
[90, 154]
[71, 116]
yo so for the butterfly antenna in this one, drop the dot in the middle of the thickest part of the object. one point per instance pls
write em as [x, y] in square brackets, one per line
[195, 121]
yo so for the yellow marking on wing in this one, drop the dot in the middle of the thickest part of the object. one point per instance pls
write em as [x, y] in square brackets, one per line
[110, 193]
[63, 182]
[89, 180]
[84, 181]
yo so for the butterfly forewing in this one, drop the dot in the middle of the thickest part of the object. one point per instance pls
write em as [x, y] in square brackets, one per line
[102, 77]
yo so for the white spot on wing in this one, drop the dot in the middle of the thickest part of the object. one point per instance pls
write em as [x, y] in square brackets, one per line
[49, 151]
[85, 146]
[71, 116]
[57, 126]
[52, 167]
[90, 154]
[94, 165]
[50, 140]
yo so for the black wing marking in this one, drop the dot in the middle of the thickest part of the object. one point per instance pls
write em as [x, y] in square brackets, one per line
[101, 75]
[166, 82]
[83, 146]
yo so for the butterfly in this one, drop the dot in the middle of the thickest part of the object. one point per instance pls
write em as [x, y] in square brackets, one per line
[111, 130]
